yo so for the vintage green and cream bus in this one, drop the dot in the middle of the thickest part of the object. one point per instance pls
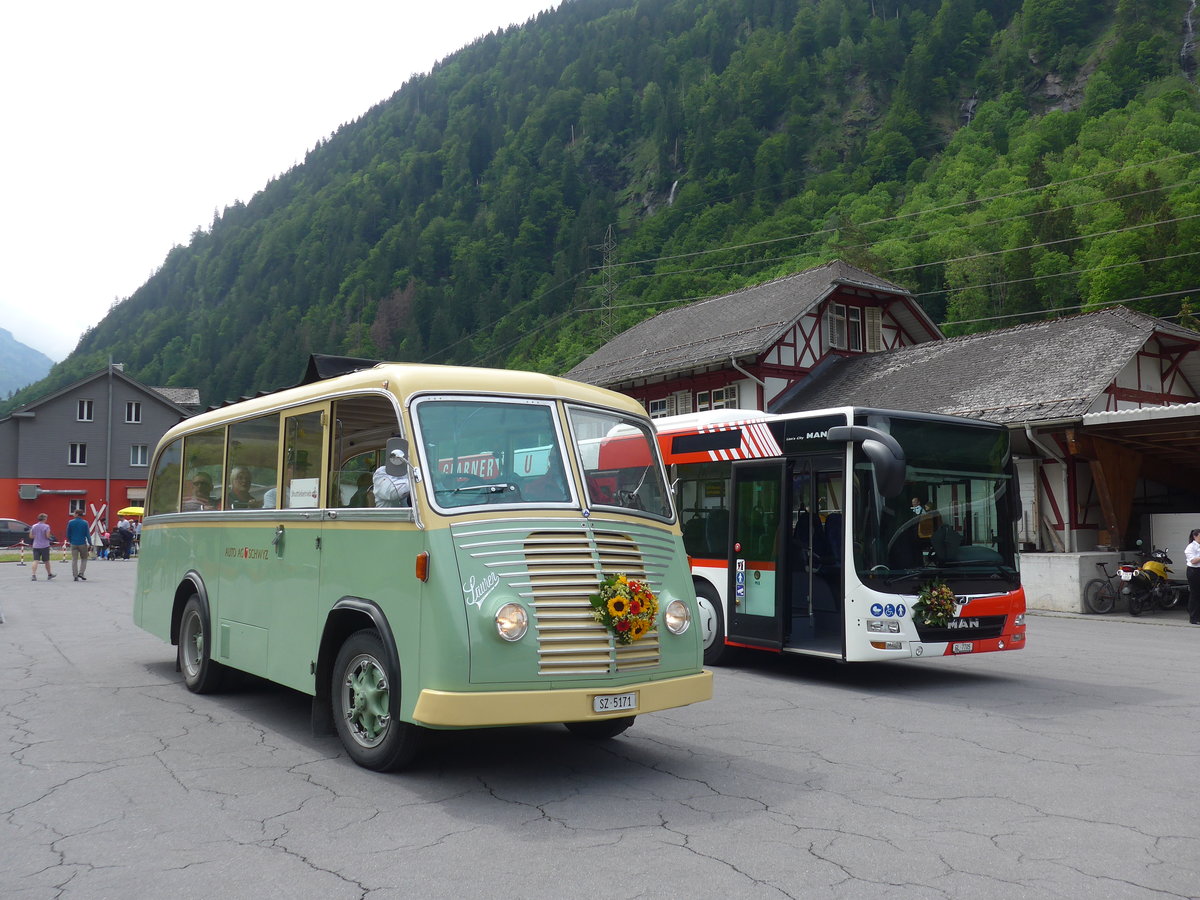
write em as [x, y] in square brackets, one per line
[425, 547]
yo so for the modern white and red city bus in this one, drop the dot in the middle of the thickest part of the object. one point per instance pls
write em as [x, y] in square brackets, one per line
[816, 532]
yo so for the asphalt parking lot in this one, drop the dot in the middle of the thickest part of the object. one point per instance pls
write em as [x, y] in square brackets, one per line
[1060, 770]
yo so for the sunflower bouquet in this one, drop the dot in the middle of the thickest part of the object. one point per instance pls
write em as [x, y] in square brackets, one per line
[935, 605]
[625, 606]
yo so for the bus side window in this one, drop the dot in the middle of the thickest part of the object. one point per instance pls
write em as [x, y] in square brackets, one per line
[305, 436]
[359, 422]
[164, 485]
[253, 450]
[203, 455]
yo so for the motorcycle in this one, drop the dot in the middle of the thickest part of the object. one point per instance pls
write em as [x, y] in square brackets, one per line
[1147, 586]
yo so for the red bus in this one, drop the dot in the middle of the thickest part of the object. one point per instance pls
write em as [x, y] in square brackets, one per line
[856, 534]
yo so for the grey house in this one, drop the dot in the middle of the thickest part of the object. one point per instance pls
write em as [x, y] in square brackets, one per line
[86, 446]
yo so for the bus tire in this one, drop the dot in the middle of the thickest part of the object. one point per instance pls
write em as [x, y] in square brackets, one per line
[201, 675]
[712, 623]
[366, 700]
[600, 730]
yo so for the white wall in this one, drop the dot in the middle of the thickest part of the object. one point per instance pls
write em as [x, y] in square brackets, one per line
[1055, 581]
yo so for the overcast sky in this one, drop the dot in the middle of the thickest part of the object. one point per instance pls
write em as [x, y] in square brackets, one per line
[128, 123]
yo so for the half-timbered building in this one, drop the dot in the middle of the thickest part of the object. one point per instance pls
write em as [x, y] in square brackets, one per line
[748, 348]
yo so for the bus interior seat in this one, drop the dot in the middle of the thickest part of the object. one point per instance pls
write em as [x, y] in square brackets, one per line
[717, 531]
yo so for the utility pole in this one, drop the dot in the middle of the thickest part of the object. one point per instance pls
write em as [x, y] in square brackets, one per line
[608, 285]
[107, 507]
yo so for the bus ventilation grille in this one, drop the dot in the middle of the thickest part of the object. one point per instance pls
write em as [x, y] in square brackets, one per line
[556, 570]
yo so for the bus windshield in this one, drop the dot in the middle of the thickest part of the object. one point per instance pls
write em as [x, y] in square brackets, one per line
[480, 451]
[953, 521]
[620, 461]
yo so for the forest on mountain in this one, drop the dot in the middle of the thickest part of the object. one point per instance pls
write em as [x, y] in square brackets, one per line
[551, 185]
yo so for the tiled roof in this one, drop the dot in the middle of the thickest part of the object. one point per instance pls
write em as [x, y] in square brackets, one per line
[709, 332]
[1050, 369]
[180, 396]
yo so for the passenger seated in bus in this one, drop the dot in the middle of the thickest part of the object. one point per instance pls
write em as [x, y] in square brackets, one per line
[362, 496]
[390, 490]
[201, 497]
[239, 494]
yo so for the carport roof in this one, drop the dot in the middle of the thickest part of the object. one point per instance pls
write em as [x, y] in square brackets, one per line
[1170, 435]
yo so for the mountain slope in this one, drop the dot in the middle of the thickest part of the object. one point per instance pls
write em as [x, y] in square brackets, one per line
[998, 157]
[19, 364]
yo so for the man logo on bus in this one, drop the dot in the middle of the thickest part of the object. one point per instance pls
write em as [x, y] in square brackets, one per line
[813, 435]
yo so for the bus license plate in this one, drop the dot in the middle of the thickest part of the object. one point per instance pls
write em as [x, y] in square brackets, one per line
[963, 647]
[603, 703]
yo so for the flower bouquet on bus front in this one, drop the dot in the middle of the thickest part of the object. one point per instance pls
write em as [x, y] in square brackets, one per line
[625, 606]
[935, 605]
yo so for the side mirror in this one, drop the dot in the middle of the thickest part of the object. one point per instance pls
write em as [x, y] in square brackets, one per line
[396, 457]
[883, 450]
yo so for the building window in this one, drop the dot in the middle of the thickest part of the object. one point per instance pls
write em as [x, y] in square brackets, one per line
[133, 413]
[702, 401]
[844, 326]
[725, 398]
[677, 403]
[74, 505]
[83, 412]
[854, 328]
[137, 455]
[78, 454]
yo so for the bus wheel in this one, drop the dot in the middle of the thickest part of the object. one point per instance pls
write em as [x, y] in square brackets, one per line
[200, 674]
[600, 730]
[712, 623]
[365, 699]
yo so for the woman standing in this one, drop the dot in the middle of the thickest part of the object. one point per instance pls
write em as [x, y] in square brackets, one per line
[1192, 555]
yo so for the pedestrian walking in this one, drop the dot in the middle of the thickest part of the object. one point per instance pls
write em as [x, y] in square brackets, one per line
[79, 536]
[41, 539]
[1192, 554]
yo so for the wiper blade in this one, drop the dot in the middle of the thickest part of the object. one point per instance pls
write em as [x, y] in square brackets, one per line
[911, 576]
[498, 488]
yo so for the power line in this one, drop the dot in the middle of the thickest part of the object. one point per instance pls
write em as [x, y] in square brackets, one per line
[900, 216]
[608, 268]
[1079, 237]
[1104, 305]
[1136, 262]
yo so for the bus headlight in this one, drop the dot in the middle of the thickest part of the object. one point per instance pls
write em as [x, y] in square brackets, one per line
[512, 621]
[677, 617]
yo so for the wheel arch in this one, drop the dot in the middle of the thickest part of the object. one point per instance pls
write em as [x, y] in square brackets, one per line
[191, 583]
[348, 615]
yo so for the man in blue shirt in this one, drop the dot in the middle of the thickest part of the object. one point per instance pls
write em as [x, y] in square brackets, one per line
[79, 536]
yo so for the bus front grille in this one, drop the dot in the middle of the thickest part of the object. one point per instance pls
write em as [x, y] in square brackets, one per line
[556, 569]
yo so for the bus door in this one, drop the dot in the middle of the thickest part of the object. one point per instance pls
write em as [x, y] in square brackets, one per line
[756, 594]
[296, 546]
[813, 561]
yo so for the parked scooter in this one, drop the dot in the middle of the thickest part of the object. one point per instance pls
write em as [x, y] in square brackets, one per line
[1147, 586]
